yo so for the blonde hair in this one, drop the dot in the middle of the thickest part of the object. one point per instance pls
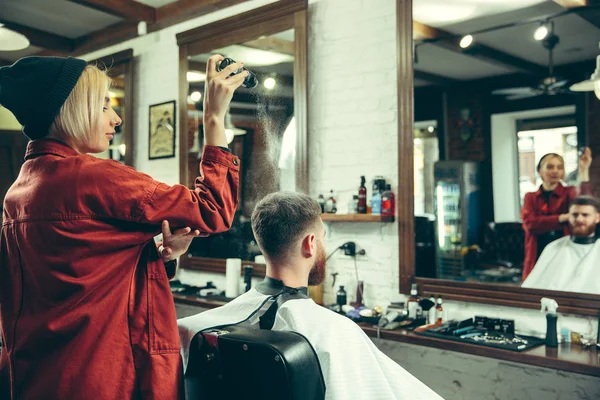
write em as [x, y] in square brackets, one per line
[80, 116]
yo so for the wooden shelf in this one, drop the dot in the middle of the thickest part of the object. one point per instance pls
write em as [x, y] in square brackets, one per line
[355, 218]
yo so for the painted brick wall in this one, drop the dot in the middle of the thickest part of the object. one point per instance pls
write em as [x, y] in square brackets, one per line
[352, 130]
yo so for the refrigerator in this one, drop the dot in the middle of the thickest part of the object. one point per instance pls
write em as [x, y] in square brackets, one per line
[457, 214]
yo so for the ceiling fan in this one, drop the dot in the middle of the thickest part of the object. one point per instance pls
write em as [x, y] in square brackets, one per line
[549, 86]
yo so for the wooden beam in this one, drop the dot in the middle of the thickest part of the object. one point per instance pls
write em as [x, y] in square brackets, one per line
[422, 31]
[572, 3]
[113, 34]
[450, 41]
[166, 16]
[40, 38]
[183, 10]
[272, 44]
[127, 9]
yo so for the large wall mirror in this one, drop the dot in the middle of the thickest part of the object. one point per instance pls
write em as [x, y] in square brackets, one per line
[119, 67]
[491, 97]
[265, 125]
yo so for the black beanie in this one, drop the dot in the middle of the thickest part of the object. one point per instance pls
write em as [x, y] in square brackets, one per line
[35, 88]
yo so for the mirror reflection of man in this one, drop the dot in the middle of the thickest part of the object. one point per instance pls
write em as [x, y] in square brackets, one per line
[570, 263]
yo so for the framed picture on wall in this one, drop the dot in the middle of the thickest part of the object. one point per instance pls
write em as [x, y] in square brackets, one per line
[161, 137]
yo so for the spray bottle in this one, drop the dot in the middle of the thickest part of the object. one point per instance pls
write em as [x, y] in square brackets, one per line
[249, 82]
[549, 306]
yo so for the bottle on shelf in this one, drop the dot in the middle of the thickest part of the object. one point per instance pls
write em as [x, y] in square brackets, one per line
[413, 302]
[439, 310]
[388, 202]
[431, 312]
[353, 205]
[341, 298]
[362, 196]
[330, 204]
[321, 201]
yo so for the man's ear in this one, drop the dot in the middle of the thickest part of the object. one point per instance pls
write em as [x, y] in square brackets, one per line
[597, 218]
[309, 245]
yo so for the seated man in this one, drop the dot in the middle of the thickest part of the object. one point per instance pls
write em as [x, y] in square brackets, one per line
[570, 264]
[290, 233]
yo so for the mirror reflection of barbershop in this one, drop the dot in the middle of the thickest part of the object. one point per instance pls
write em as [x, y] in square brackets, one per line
[452, 103]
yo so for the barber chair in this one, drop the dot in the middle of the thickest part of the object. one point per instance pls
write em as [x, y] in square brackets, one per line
[240, 362]
[502, 253]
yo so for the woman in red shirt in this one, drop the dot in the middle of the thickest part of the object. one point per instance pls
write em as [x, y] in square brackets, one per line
[545, 212]
[86, 311]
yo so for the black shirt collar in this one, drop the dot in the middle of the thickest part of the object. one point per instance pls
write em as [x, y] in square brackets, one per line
[584, 240]
[270, 286]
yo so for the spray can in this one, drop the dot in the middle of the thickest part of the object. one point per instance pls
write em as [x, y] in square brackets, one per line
[250, 81]
[549, 306]
[341, 298]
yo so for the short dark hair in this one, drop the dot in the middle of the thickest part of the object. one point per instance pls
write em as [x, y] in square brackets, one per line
[586, 201]
[549, 155]
[280, 218]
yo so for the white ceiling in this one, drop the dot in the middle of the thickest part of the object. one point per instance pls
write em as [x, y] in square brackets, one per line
[50, 16]
[441, 13]
[439, 61]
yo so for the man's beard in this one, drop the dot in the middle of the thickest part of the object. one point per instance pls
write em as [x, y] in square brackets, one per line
[316, 276]
[583, 231]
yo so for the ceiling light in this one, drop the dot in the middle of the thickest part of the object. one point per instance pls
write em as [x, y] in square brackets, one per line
[541, 32]
[195, 96]
[466, 41]
[592, 84]
[195, 76]
[12, 41]
[269, 83]
[430, 129]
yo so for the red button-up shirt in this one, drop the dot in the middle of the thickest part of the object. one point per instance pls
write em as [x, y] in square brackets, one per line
[85, 305]
[539, 217]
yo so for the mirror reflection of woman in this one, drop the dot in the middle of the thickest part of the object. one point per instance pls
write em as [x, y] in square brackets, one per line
[545, 212]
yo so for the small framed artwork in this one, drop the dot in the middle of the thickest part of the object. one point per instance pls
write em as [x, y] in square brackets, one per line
[161, 139]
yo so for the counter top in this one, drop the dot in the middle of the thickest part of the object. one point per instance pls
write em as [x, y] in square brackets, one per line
[566, 357]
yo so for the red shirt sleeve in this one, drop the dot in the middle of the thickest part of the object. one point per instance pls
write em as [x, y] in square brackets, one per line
[209, 207]
[533, 221]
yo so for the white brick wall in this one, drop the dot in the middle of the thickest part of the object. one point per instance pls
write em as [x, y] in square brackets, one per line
[352, 129]
[352, 132]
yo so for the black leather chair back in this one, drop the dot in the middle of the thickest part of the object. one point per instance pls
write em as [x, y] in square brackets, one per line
[240, 362]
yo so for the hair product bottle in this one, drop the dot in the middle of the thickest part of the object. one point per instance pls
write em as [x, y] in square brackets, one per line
[439, 310]
[362, 196]
[388, 202]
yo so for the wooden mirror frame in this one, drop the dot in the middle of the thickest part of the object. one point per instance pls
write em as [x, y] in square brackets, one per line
[502, 295]
[122, 63]
[263, 21]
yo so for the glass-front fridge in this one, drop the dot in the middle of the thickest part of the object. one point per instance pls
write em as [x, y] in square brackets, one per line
[456, 206]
